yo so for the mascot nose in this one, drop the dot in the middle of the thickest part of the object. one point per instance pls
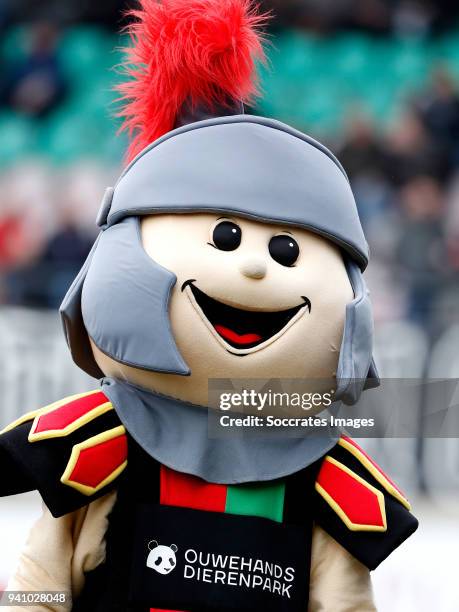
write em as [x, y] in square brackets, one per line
[253, 268]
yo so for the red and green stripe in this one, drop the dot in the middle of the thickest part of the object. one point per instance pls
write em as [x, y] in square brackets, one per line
[264, 499]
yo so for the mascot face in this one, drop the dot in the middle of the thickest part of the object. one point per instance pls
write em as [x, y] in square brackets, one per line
[252, 300]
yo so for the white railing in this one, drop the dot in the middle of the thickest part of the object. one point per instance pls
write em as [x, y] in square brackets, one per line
[35, 364]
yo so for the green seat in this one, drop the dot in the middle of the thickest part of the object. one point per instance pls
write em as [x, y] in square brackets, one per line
[67, 136]
[446, 50]
[13, 44]
[17, 137]
[85, 51]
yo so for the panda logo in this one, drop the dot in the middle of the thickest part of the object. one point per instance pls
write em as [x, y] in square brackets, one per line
[161, 558]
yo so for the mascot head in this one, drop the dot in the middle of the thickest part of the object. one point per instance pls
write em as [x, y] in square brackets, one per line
[231, 246]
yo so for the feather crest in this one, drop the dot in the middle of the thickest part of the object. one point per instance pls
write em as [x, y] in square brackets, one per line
[199, 51]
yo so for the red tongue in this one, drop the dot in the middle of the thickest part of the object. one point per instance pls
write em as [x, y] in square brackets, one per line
[236, 338]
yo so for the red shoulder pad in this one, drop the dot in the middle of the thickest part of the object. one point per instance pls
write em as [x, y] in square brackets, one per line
[66, 416]
[374, 469]
[97, 461]
[359, 503]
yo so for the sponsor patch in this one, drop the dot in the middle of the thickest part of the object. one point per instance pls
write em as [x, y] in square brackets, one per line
[191, 559]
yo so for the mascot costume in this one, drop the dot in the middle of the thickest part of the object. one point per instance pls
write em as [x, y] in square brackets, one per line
[230, 247]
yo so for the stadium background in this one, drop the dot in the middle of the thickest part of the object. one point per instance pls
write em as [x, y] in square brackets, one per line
[378, 81]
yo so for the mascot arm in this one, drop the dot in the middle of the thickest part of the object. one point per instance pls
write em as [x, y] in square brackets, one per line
[339, 583]
[60, 551]
[14, 478]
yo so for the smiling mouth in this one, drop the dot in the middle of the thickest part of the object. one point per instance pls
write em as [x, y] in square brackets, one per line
[244, 329]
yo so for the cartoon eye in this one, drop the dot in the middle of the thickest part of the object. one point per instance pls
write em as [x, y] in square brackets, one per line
[284, 249]
[158, 561]
[226, 236]
[172, 562]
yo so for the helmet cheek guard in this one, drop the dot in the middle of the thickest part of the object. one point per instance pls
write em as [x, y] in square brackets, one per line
[120, 300]
[356, 368]
[72, 321]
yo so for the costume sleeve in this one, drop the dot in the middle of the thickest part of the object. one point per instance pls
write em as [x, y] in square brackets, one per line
[359, 506]
[60, 551]
[14, 479]
[339, 583]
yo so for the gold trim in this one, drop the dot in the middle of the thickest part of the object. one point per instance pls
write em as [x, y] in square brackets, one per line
[89, 443]
[340, 512]
[375, 472]
[74, 425]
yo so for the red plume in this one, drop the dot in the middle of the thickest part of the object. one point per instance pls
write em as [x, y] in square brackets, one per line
[201, 51]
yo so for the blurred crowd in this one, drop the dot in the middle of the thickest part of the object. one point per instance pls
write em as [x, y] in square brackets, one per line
[405, 174]
[47, 227]
[104, 12]
[416, 17]
[35, 84]
[406, 183]
[412, 17]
